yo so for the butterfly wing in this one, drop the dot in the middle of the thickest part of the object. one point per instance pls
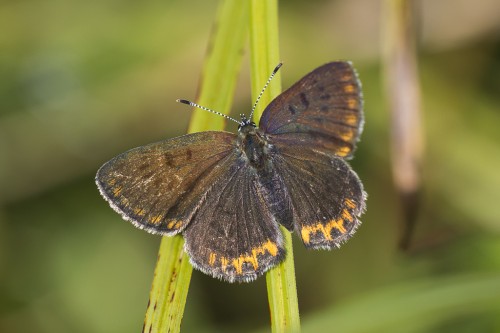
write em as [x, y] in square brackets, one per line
[326, 195]
[234, 236]
[322, 111]
[160, 186]
[312, 127]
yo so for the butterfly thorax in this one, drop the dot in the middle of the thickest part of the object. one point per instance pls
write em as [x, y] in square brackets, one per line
[253, 145]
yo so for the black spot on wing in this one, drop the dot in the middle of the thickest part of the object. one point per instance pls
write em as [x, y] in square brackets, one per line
[304, 100]
[169, 159]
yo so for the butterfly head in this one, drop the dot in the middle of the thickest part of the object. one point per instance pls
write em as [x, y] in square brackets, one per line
[245, 123]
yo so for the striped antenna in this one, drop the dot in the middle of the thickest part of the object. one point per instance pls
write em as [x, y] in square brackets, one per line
[265, 86]
[183, 101]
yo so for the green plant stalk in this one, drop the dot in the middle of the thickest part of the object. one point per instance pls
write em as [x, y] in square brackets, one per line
[264, 56]
[172, 276]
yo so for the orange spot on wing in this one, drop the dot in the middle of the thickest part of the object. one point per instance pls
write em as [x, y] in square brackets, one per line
[343, 151]
[224, 263]
[174, 224]
[351, 120]
[346, 77]
[211, 259]
[346, 215]
[117, 190]
[338, 224]
[124, 202]
[349, 203]
[156, 219]
[349, 88]
[139, 211]
[238, 263]
[325, 229]
[269, 247]
[352, 103]
[347, 136]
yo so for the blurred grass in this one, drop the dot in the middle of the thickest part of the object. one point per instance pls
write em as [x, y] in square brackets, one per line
[400, 308]
[82, 82]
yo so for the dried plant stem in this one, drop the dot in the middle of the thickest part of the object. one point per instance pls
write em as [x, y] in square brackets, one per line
[403, 91]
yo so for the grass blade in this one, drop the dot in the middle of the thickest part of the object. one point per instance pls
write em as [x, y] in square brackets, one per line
[264, 50]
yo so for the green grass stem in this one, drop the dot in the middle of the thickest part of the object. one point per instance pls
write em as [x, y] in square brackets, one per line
[264, 56]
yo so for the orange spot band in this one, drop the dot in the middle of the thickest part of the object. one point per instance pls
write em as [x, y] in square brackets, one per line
[326, 229]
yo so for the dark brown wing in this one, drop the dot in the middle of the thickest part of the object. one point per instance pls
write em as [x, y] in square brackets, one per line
[326, 195]
[234, 236]
[322, 111]
[159, 187]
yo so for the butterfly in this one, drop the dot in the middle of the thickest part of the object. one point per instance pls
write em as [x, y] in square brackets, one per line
[227, 193]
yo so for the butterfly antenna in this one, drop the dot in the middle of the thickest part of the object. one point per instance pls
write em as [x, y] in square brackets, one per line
[276, 69]
[183, 101]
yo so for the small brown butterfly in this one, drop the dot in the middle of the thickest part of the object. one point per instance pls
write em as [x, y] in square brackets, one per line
[227, 193]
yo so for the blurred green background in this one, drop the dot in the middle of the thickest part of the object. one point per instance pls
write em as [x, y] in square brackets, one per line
[81, 82]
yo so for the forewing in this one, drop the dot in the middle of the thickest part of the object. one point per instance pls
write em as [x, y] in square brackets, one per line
[326, 194]
[158, 187]
[323, 111]
[233, 236]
